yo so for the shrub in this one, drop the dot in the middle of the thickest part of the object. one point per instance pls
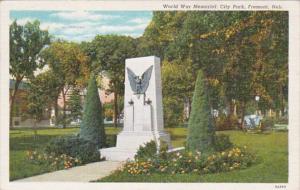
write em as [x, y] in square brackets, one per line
[92, 128]
[111, 140]
[201, 130]
[226, 123]
[146, 151]
[282, 120]
[149, 151]
[267, 122]
[75, 147]
[222, 142]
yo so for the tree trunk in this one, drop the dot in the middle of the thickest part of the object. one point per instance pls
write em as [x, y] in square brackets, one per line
[115, 109]
[12, 101]
[35, 130]
[282, 103]
[242, 114]
[56, 111]
[64, 109]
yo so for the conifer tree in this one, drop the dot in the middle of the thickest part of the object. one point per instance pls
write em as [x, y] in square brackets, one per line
[200, 127]
[92, 128]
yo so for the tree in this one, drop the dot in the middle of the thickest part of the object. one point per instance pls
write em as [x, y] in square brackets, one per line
[201, 130]
[178, 84]
[26, 43]
[108, 54]
[70, 65]
[75, 104]
[241, 53]
[162, 30]
[92, 128]
[38, 99]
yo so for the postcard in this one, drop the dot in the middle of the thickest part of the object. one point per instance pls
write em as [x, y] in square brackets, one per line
[149, 94]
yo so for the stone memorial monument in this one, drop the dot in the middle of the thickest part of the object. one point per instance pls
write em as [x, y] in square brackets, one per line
[143, 112]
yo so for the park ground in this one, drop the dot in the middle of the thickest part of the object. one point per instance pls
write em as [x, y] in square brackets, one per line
[270, 148]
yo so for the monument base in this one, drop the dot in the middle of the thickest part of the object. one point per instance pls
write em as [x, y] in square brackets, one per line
[128, 142]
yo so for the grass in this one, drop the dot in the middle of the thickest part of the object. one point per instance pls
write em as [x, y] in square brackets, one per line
[271, 149]
[272, 166]
[22, 140]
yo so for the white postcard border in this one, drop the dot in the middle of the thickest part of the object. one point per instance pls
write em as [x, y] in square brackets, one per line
[294, 91]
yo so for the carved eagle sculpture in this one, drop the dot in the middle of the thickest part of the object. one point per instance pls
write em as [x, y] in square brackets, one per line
[139, 84]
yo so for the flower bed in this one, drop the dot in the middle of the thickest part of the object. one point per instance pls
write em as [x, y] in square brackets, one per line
[54, 162]
[191, 162]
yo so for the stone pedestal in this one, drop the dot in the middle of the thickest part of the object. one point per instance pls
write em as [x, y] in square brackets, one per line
[143, 113]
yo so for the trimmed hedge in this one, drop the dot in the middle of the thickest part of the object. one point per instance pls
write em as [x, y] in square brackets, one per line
[75, 147]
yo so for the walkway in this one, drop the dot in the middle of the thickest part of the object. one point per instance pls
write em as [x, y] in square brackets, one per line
[84, 173]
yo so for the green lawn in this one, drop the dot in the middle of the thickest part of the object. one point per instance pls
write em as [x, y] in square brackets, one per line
[272, 166]
[272, 150]
[22, 140]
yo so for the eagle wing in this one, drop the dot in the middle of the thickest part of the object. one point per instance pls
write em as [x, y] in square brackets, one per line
[145, 79]
[132, 81]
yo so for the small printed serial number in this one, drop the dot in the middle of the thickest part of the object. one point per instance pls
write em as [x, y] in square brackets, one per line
[280, 186]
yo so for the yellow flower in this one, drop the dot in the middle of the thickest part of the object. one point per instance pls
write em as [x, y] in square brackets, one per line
[223, 153]
[190, 154]
[231, 168]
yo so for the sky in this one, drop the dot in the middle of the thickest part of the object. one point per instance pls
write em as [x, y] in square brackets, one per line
[85, 25]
